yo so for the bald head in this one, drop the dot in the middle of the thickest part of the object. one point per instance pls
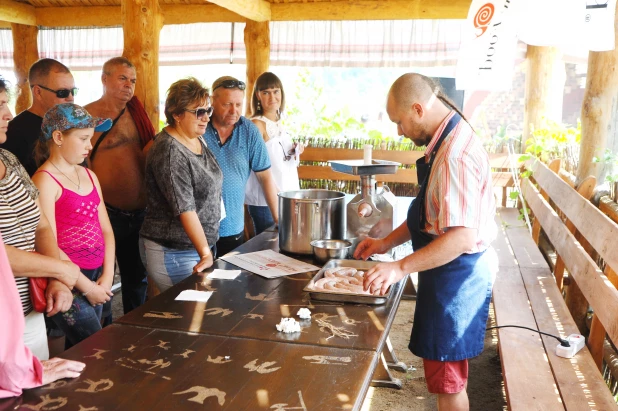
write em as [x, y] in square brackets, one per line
[413, 88]
[415, 103]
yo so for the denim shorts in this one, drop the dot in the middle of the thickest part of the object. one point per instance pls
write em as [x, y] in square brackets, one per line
[82, 319]
[167, 266]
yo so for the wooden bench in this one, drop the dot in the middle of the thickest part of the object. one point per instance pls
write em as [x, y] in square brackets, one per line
[501, 164]
[526, 293]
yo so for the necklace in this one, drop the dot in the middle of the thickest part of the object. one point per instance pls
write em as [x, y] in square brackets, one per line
[192, 144]
[78, 184]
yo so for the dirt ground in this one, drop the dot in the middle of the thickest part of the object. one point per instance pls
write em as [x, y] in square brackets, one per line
[485, 387]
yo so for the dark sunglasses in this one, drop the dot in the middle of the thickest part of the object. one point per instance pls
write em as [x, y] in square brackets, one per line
[63, 92]
[202, 113]
[286, 156]
[231, 84]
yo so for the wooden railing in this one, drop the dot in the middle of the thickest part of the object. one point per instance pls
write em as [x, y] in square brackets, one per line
[585, 233]
[501, 163]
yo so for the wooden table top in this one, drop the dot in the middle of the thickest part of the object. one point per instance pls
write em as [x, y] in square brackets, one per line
[250, 306]
[135, 368]
[226, 353]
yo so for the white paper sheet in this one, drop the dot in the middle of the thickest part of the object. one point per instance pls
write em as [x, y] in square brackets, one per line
[269, 264]
[194, 295]
[218, 274]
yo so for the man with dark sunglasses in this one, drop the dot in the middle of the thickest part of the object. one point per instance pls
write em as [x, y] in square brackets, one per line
[239, 148]
[51, 83]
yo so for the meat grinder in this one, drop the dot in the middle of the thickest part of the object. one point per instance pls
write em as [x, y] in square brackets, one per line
[370, 213]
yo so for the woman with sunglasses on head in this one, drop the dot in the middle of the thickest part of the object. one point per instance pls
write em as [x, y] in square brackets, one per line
[183, 183]
[267, 105]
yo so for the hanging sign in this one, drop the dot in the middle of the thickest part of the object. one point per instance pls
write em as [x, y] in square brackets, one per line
[598, 25]
[587, 24]
[488, 47]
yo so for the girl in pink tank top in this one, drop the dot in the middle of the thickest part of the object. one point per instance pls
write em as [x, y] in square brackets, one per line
[70, 198]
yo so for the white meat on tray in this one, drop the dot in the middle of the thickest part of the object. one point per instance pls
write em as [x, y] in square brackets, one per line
[342, 280]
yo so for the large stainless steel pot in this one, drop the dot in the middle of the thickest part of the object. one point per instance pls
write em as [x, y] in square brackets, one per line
[307, 215]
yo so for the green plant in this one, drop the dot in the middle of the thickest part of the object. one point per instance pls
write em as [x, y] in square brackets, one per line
[313, 118]
[555, 140]
[610, 160]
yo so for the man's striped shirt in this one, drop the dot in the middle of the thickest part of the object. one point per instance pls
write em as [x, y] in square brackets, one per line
[460, 191]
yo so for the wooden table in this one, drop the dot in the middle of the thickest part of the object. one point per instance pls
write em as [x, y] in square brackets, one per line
[226, 353]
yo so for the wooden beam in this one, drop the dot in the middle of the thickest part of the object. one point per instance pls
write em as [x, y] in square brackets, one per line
[599, 117]
[545, 79]
[90, 16]
[109, 16]
[257, 45]
[106, 16]
[25, 54]
[371, 10]
[142, 21]
[14, 12]
[198, 13]
[256, 10]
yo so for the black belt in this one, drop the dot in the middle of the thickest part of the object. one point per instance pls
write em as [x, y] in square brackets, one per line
[124, 212]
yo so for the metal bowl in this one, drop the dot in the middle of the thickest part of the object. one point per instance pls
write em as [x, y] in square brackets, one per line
[325, 250]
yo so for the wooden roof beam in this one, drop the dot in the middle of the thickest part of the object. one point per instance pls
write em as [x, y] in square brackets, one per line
[256, 10]
[371, 10]
[106, 16]
[20, 13]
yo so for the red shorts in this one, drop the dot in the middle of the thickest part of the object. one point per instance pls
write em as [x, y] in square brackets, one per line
[445, 377]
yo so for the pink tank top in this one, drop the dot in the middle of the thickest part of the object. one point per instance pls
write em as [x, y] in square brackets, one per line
[78, 228]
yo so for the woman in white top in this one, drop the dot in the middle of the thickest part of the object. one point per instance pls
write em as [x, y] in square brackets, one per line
[267, 104]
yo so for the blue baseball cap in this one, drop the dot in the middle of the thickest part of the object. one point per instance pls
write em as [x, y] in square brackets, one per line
[66, 116]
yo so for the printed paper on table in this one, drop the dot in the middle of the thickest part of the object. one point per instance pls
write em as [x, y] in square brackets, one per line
[269, 264]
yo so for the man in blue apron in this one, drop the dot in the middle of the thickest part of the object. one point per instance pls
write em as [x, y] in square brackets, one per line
[451, 225]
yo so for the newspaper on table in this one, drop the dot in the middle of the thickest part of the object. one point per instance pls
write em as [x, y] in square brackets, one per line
[269, 263]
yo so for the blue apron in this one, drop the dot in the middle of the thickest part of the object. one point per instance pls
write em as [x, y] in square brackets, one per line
[452, 302]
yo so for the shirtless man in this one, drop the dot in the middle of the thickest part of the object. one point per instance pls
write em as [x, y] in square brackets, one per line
[118, 160]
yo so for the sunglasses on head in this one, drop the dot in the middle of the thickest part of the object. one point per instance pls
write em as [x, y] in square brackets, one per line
[231, 84]
[61, 93]
[202, 113]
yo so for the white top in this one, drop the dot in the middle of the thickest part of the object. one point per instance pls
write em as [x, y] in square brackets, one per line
[284, 172]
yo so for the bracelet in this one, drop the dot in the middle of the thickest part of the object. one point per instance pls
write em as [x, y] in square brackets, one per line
[91, 288]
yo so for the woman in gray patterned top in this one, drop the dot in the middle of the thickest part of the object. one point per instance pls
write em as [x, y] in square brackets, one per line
[183, 182]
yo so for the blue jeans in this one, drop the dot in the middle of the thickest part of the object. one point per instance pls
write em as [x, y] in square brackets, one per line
[82, 319]
[126, 226]
[168, 266]
[261, 216]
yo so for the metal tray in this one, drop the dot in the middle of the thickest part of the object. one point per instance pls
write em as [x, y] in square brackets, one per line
[358, 168]
[346, 297]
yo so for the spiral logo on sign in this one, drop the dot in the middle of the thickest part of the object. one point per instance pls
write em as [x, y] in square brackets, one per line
[482, 18]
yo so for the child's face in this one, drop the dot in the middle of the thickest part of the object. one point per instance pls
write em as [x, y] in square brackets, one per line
[76, 144]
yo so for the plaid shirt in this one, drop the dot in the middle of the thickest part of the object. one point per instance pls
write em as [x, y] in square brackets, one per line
[460, 191]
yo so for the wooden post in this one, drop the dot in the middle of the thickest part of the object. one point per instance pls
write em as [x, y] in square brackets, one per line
[142, 21]
[25, 54]
[545, 77]
[599, 113]
[257, 44]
